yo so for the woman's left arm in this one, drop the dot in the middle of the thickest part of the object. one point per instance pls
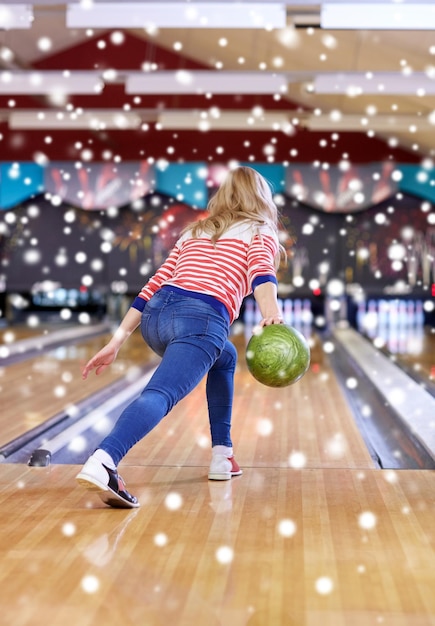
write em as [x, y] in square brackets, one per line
[265, 295]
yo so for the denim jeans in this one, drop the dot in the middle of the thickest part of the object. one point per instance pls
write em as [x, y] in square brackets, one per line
[192, 339]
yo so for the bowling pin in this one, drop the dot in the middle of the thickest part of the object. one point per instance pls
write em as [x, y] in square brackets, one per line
[307, 315]
[257, 316]
[415, 339]
[297, 313]
[249, 316]
[360, 315]
[393, 339]
[371, 319]
[383, 313]
[419, 313]
[288, 312]
[410, 313]
[394, 314]
[403, 316]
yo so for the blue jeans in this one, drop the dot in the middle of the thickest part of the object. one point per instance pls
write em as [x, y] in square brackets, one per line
[192, 339]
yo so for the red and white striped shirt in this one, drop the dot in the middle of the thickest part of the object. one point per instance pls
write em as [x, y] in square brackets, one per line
[243, 257]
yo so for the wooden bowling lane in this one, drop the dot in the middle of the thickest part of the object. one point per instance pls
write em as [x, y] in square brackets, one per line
[407, 427]
[307, 424]
[36, 389]
[418, 356]
[310, 535]
[10, 334]
[276, 546]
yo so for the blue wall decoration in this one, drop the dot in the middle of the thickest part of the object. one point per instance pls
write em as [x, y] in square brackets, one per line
[18, 182]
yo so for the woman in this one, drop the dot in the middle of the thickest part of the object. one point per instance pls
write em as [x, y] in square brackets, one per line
[185, 311]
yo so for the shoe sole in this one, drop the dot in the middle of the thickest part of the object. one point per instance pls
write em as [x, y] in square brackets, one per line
[223, 475]
[106, 494]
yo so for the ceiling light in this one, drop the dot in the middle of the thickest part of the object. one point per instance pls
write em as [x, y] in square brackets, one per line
[225, 120]
[360, 123]
[48, 82]
[375, 83]
[104, 119]
[15, 16]
[377, 16]
[202, 81]
[177, 15]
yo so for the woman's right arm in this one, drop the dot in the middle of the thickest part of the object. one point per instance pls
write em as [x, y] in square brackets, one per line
[108, 354]
[132, 318]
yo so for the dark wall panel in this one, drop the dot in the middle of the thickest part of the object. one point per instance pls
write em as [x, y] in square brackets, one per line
[119, 249]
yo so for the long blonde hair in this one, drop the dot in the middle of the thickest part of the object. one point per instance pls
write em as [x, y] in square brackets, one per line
[243, 195]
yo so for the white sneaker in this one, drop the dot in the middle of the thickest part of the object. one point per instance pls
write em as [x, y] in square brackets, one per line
[108, 483]
[223, 467]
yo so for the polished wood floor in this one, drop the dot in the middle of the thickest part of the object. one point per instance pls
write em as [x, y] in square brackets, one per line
[36, 389]
[419, 355]
[311, 534]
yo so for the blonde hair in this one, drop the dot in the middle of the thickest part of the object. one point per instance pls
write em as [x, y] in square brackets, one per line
[243, 195]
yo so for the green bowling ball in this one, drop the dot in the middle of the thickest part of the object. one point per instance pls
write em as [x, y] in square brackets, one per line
[277, 355]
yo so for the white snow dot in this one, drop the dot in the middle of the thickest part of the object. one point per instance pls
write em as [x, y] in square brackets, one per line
[97, 265]
[203, 441]
[396, 396]
[90, 584]
[287, 528]
[78, 444]
[84, 318]
[173, 501]
[224, 554]
[297, 460]
[391, 476]
[367, 520]
[9, 337]
[106, 247]
[328, 347]
[80, 257]
[4, 352]
[324, 585]
[351, 383]
[59, 391]
[61, 259]
[44, 44]
[70, 216]
[264, 427]
[68, 529]
[87, 280]
[67, 377]
[31, 257]
[160, 539]
[366, 411]
[336, 447]
[65, 314]
[117, 38]
[10, 218]
[33, 321]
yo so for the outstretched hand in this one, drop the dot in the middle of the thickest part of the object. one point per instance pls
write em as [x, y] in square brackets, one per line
[100, 361]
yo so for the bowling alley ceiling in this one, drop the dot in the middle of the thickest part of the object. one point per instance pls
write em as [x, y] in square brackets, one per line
[294, 93]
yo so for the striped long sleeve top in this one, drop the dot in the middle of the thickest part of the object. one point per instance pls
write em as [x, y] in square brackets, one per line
[242, 258]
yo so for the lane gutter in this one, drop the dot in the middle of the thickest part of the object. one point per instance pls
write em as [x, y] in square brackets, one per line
[394, 413]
